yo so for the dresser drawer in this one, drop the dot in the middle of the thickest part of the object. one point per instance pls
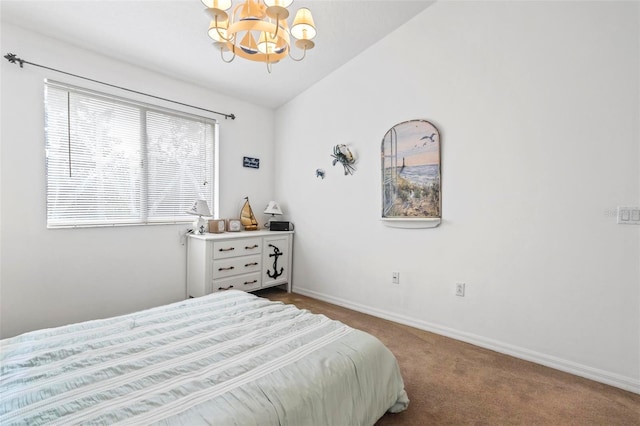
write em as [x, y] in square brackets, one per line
[239, 247]
[247, 282]
[236, 266]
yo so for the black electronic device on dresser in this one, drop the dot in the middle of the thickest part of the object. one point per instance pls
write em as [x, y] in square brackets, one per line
[275, 225]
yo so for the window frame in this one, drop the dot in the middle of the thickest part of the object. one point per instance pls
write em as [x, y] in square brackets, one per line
[144, 107]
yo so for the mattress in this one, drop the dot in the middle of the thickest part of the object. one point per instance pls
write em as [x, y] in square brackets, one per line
[228, 358]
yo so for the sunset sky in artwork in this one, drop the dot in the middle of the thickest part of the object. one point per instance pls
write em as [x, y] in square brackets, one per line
[418, 143]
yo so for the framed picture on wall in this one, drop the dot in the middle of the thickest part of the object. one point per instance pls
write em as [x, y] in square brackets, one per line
[411, 179]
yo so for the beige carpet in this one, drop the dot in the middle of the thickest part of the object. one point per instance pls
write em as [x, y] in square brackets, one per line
[455, 383]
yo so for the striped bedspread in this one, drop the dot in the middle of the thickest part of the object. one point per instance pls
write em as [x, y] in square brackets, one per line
[229, 358]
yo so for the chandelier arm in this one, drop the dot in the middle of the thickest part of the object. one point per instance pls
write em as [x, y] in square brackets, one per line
[277, 26]
[304, 53]
[223, 37]
[268, 64]
[232, 58]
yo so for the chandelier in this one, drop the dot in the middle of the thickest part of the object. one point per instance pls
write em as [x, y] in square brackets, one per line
[257, 29]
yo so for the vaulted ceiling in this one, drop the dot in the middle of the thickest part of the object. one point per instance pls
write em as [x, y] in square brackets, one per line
[170, 37]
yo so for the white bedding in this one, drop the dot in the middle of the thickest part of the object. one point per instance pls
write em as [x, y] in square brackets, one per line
[228, 358]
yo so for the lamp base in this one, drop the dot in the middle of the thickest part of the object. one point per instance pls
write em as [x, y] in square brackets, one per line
[271, 219]
[201, 225]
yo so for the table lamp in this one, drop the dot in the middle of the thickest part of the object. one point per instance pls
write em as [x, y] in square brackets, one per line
[201, 209]
[273, 209]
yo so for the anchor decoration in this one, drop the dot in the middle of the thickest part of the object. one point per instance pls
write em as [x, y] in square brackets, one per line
[276, 254]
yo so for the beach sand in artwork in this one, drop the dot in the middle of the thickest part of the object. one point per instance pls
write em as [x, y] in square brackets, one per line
[416, 200]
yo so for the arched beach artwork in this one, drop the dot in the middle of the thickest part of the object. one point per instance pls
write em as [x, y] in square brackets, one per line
[411, 171]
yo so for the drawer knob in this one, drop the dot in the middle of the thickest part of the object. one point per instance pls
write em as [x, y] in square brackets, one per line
[250, 247]
[246, 265]
[250, 282]
[225, 288]
[227, 249]
[226, 269]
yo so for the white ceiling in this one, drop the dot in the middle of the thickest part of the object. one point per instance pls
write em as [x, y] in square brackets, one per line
[170, 36]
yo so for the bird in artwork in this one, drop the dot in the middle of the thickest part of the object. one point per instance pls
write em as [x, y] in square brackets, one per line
[430, 137]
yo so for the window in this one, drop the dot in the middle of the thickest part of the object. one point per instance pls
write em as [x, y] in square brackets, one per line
[113, 161]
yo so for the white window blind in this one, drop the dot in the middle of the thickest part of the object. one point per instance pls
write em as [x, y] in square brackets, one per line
[112, 161]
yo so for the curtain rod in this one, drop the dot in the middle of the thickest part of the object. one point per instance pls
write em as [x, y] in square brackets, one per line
[12, 58]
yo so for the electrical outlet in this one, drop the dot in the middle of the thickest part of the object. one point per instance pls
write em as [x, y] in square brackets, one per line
[460, 289]
[395, 277]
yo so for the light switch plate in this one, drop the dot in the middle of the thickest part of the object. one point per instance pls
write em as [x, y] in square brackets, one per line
[629, 215]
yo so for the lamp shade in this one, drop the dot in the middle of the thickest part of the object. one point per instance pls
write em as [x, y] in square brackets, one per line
[281, 3]
[218, 30]
[200, 208]
[273, 208]
[267, 43]
[303, 27]
[217, 4]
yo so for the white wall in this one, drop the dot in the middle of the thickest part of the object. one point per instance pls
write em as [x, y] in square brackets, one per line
[52, 277]
[538, 105]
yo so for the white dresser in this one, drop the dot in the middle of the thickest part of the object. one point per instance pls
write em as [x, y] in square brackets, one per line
[247, 260]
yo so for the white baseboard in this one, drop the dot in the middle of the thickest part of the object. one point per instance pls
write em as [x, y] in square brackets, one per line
[602, 376]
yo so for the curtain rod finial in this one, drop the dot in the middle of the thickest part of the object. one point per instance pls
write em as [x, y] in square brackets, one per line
[12, 58]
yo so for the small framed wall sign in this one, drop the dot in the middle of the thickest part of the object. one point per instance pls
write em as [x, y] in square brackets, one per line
[252, 163]
[217, 226]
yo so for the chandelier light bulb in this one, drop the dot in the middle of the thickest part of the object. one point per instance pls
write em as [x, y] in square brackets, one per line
[217, 4]
[281, 3]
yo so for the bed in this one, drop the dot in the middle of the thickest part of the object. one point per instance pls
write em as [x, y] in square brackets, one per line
[228, 358]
